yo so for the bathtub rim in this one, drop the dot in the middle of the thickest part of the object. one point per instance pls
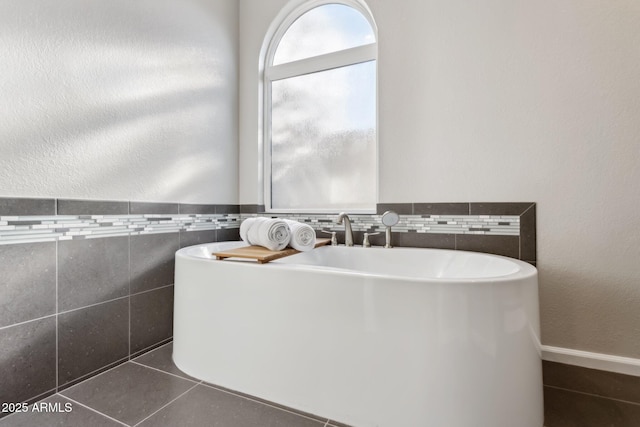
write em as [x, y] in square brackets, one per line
[525, 270]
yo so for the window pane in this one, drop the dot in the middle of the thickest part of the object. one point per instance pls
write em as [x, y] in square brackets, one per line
[325, 29]
[323, 139]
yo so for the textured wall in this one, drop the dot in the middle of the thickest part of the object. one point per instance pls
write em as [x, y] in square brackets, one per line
[119, 99]
[510, 101]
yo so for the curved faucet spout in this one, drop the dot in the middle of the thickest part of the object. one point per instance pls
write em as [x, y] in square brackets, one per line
[348, 233]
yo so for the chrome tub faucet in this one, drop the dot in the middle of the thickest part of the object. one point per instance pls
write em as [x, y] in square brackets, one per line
[348, 233]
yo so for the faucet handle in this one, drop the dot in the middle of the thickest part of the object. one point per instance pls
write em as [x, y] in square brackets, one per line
[365, 241]
[334, 239]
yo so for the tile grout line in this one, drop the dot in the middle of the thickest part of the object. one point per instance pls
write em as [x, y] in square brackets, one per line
[93, 305]
[151, 290]
[528, 209]
[80, 308]
[27, 321]
[169, 403]
[92, 409]
[257, 401]
[594, 395]
[165, 372]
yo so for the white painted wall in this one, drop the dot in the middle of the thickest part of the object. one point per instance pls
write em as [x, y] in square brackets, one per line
[510, 101]
[119, 99]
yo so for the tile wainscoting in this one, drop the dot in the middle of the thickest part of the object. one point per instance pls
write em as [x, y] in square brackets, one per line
[507, 229]
[88, 284]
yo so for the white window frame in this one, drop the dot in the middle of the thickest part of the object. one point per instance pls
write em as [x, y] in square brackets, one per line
[328, 61]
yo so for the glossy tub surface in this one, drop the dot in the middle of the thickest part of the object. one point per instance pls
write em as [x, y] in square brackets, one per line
[396, 337]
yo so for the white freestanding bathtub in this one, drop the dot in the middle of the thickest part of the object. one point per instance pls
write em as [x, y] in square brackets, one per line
[368, 337]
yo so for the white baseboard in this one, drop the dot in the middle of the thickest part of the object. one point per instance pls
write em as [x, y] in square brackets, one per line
[586, 359]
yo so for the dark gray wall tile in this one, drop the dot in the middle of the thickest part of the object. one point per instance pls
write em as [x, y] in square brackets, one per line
[528, 250]
[92, 207]
[441, 208]
[227, 209]
[563, 408]
[151, 318]
[190, 238]
[77, 416]
[227, 234]
[400, 208]
[153, 260]
[27, 282]
[141, 208]
[27, 359]
[202, 405]
[592, 381]
[499, 245]
[252, 209]
[91, 338]
[410, 240]
[92, 271]
[498, 208]
[130, 392]
[424, 240]
[12, 206]
[186, 208]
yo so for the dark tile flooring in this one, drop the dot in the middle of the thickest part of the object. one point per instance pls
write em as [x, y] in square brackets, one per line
[575, 396]
[151, 391]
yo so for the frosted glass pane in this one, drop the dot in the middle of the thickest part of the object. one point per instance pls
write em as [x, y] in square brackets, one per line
[321, 30]
[323, 133]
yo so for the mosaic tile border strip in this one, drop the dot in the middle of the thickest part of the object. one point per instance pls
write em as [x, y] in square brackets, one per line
[502, 228]
[22, 229]
[500, 225]
[29, 229]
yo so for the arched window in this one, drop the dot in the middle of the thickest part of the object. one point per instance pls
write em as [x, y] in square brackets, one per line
[320, 110]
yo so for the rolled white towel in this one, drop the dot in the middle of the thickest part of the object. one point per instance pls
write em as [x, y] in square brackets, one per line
[253, 231]
[244, 229]
[303, 237]
[273, 234]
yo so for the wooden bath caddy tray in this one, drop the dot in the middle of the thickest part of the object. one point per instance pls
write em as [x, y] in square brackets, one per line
[261, 254]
